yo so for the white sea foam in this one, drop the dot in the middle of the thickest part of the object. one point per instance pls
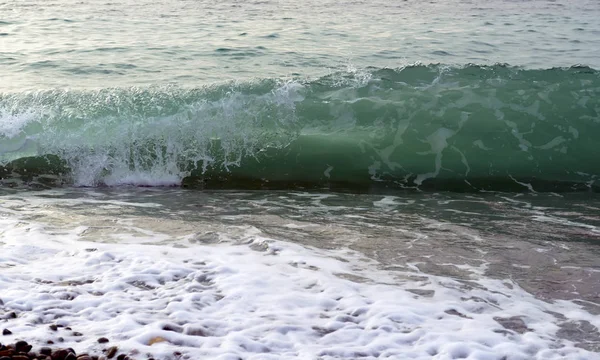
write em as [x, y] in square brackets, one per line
[258, 298]
[130, 137]
[142, 178]
[12, 125]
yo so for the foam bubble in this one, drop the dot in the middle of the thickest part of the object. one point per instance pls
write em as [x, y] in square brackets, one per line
[12, 124]
[254, 297]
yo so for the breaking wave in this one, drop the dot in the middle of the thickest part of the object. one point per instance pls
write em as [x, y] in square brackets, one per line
[435, 127]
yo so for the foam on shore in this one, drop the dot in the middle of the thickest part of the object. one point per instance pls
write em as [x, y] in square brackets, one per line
[258, 298]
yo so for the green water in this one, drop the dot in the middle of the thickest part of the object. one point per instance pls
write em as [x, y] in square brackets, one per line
[468, 129]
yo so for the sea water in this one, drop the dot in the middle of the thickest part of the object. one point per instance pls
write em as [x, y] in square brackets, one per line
[302, 180]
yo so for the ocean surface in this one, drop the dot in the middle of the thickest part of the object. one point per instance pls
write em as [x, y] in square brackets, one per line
[302, 179]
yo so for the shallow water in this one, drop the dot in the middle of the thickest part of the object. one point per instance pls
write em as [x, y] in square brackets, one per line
[315, 275]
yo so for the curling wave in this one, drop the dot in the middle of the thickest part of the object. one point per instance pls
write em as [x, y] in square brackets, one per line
[436, 127]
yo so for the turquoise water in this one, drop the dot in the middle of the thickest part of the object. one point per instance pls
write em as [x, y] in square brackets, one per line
[468, 129]
[456, 95]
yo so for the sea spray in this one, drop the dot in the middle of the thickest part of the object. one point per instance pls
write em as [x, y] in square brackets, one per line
[116, 136]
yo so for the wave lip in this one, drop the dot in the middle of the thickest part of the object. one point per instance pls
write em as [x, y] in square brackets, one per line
[432, 127]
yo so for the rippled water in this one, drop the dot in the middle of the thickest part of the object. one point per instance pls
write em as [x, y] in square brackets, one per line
[70, 43]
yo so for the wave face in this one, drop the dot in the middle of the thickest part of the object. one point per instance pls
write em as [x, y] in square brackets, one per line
[428, 127]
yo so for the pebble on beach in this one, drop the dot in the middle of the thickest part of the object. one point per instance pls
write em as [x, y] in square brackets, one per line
[21, 350]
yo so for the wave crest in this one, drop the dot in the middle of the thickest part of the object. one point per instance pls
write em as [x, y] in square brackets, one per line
[474, 127]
